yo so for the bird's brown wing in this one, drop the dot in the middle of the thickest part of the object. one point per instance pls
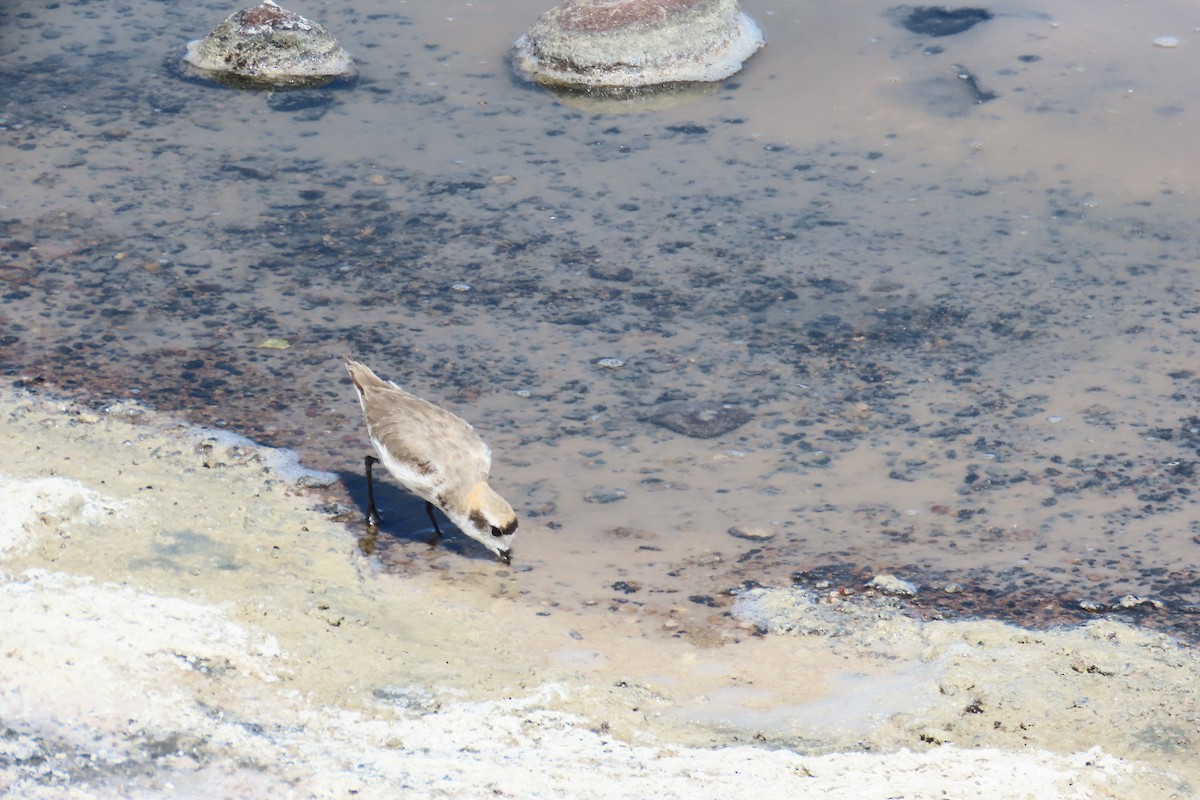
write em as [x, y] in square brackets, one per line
[428, 438]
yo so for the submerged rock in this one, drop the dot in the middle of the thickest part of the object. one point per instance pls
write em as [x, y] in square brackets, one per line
[623, 44]
[700, 420]
[266, 45]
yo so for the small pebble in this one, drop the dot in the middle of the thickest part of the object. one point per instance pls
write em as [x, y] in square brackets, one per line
[754, 533]
[1130, 601]
[598, 494]
[624, 532]
[317, 480]
[953, 588]
[611, 272]
[1167, 41]
[609, 363]
[411, 698]
[125, 408]
[460, 287]
[890, 584]
[1092, 606]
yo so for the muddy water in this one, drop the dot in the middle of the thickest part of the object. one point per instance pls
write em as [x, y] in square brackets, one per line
[965, 331]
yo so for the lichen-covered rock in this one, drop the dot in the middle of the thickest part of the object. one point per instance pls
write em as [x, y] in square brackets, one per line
[632, 43]
[266, 45]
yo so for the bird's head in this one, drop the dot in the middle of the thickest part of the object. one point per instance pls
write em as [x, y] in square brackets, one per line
[492, 521]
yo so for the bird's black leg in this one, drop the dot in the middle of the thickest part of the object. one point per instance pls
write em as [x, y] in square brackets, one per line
[437, 532]
[372, 512]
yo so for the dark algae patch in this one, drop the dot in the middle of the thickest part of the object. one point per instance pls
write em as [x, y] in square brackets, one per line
[938, 21]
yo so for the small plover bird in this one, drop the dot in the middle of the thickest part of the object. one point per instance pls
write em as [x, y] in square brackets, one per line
[436, 456]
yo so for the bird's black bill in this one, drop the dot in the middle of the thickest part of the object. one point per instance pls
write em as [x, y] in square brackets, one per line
[505, 557]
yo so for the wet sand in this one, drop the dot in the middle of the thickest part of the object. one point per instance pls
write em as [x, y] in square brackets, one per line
[178, 621]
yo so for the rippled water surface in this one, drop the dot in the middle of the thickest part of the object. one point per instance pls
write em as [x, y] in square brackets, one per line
[949, 283]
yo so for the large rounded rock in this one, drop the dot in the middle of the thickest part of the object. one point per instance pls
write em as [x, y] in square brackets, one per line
[626, 44]
[266, 45]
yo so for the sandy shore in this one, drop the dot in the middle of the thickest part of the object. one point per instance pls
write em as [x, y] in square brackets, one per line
[177, 622]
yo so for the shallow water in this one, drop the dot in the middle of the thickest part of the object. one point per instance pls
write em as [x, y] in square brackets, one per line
[965, 332]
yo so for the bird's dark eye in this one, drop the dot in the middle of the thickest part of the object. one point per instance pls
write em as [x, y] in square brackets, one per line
[496, 531]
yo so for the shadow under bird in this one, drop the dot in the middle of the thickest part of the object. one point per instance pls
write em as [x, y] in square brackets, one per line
[436, 456]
